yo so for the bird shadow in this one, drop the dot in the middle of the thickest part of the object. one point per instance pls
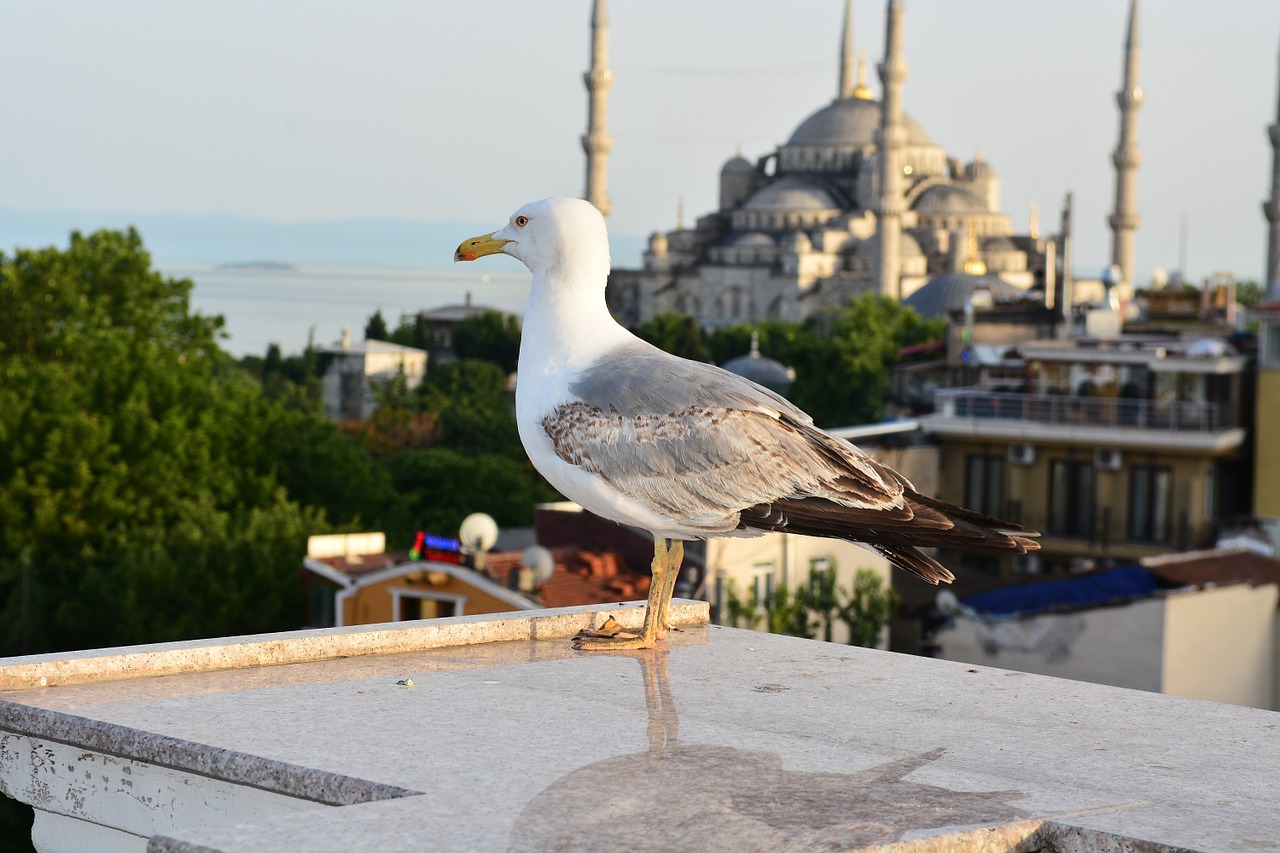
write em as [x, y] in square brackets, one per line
[694, 796]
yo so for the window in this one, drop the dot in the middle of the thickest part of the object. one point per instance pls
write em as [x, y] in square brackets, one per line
[762, 584]
[1071, 497]
[1149, 493]
[412, 604]
[984, 484]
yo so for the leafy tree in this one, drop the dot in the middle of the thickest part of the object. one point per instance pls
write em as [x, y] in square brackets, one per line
[1249, 293]
[491, 336]
[677, 334]
[867, 608]
[142, 491]
[440, 487]
[842, 356]
[821, 598]
[471, 402]
[376, 328]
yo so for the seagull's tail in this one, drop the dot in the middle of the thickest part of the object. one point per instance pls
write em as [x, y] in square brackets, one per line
[897, 533]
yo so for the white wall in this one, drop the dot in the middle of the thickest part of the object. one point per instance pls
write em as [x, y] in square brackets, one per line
[1120, 646]
[1220, 644]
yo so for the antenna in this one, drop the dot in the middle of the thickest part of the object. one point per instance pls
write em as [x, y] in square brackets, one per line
[478, 533]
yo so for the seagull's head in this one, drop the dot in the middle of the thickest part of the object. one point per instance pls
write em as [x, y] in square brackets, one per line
[543, 235]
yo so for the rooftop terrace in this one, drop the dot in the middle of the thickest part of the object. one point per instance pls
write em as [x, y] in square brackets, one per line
[491, 733]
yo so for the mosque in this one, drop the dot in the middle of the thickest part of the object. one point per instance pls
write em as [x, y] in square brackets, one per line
[859, 198]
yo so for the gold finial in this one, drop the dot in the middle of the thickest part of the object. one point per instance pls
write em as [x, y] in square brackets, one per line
[862, 91]
[1033, 228]
[973, 265]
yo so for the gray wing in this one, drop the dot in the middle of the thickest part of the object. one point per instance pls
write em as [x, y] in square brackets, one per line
[638, 379]
[700, 444]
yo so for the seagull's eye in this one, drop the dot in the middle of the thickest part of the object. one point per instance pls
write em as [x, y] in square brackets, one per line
[522, 221]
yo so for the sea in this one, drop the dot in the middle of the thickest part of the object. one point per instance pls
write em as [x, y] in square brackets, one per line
[265, 304]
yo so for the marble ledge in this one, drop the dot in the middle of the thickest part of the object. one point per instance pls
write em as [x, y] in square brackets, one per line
[65, 668]
[719, 739]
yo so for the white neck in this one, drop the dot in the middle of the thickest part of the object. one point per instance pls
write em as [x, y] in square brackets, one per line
[567, 320]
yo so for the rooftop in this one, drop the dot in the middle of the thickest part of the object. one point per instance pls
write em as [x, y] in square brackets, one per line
[491, 733]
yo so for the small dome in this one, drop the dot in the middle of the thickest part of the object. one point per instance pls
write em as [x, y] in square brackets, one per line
[658, 243]
[791, 194]
[908, 246]
[948, 200]
[797, 241]
[772, 374]
[998, 243]
[737, 164]
[947, 293]
[754, 238]
[979, 168]
[850, 121]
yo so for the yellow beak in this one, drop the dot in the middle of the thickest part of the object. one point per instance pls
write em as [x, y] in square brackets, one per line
[478, 247]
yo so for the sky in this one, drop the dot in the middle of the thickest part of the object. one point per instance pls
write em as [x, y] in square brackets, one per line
[317, 110]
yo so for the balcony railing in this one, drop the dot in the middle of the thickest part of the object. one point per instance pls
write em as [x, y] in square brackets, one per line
[1065, 410]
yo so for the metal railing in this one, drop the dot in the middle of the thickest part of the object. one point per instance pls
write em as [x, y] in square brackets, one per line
[1065, 410]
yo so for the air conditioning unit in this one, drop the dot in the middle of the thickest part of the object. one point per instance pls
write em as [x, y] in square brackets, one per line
[1107, 459]
[1026, 564]
[1022, 454]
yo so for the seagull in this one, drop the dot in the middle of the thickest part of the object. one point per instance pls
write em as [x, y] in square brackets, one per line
[687, 450]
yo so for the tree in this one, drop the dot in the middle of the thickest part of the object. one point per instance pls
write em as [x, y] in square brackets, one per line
[842, 356]
[677, 334]
[491, 336]
[141, 490]
[867, 608]
[376, 328]
[821, 598]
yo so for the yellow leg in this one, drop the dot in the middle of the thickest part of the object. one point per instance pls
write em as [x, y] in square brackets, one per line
[648, 636]
[675, 556]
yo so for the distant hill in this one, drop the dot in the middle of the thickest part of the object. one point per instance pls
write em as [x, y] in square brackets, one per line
[221, 239]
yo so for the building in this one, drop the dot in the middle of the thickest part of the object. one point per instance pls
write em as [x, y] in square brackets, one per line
[347, 388]
[799, 228]
[1266, 437]
[351, 579]
[1113, 448]
[1202, 625]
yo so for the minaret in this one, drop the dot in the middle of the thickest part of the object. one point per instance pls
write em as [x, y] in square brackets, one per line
[1124, 220]
[846, 55]
[597, 141]
[1271, 207]
[890, 137]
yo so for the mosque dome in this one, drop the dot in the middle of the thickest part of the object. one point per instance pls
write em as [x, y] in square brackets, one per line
[754, 238]
[948, 200]
[979, 168]
[737, 163]
[948, 292]
[658, 243]
[768, 372]
[798, 242]
[850, 121]
[908, 246]
[791, 194]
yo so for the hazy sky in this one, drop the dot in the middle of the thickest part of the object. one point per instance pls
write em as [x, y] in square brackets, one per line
[453, 110]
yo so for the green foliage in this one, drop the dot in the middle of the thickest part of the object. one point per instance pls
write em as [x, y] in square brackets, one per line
[677, 334]
[1249, 293]
[376, 328]
[821, 598]
[149, 490]
[471, 402]
[868, 607]
[842, 356]
[491, 336]
[865, 609]
[431, 483]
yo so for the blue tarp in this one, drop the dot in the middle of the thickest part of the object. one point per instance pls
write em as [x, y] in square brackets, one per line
[1121, 584]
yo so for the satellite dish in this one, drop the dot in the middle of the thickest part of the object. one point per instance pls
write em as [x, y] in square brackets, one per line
[478, 532]
[540, 560]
